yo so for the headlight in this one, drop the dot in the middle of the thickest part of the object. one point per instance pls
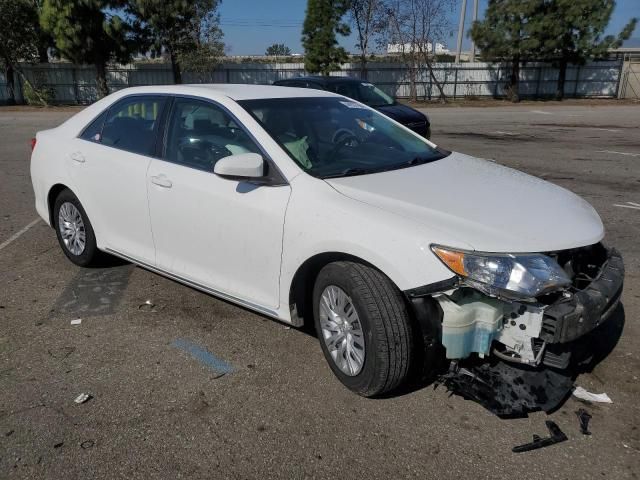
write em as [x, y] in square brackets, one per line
[527, 275]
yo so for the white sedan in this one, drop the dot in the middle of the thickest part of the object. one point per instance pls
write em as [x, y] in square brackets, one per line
[307, 206]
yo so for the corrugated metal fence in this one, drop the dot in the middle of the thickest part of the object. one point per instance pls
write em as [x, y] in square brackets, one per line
[630, 79]
[71, 84]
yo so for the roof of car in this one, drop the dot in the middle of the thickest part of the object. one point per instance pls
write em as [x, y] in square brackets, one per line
[324, 79]
[233, 91]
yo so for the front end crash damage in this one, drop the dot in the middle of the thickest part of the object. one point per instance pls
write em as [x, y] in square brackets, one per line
[513, 356]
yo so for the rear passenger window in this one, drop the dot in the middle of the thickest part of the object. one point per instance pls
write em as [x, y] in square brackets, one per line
[201, 133]
[131, 124]
[94, 131]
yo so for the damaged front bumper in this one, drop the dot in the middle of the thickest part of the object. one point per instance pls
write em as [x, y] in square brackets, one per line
[528, 332]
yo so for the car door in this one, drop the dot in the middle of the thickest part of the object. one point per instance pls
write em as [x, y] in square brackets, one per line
[222, 234]
[109, 163]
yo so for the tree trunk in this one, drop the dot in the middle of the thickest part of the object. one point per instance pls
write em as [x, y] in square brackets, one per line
[562, 76]
[43, 54]
[434, 80]
[11, 86]
[101, 80]
[175, 68]
[514, 80]
[413, 88]
[363, 66]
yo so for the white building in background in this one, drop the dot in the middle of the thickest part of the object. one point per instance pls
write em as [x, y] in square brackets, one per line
[393, 48]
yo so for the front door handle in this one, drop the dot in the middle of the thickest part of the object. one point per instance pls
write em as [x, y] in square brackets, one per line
[77, 157]
[161, 181]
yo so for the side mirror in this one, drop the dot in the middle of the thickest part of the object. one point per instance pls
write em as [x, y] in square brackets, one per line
[240, 166]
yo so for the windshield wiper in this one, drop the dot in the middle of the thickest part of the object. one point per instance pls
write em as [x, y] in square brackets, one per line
[349, 172]
[415, 161]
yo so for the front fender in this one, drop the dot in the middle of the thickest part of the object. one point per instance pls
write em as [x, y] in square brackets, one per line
[319, 220]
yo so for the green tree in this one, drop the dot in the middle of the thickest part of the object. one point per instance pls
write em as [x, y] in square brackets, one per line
[45, 40]
[187, 31]
[322, 22]
[19, 42]
[572, 31]
[85, 33]
[278, 50]
[505, 34]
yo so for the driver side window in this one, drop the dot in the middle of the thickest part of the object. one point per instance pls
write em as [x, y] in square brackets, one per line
[201, 133]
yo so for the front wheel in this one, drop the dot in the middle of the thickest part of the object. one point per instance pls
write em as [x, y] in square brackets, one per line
[363, 326]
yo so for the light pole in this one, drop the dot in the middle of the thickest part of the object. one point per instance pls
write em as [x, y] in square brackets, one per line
[473, 45]
[463, 14]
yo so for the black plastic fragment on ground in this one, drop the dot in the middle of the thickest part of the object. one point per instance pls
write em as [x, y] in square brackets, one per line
[555, 436]
[509, 390]
[583, 418]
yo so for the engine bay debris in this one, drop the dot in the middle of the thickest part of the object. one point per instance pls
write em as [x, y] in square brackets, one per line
[507, 389]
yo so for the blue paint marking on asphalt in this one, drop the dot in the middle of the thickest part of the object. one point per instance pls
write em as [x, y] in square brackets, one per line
[203, 356]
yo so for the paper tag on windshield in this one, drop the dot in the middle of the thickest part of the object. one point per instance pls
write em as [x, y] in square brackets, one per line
[352, 105]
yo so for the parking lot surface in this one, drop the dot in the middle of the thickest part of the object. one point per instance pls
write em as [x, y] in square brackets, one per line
[184, 385]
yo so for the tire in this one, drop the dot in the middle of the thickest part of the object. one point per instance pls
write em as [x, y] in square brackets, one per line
[383, 319]
[89, 254]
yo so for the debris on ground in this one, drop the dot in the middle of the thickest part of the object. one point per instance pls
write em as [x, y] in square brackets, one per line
[583, 394]
[58, 445]
[556, 436]
[83, 397]
[61, 353]
[77, 321]
[583, 418]
[87, 444]
[507, 389]
[147, 306]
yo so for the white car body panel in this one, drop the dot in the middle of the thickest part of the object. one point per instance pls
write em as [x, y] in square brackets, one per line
[321, 220]
[112, 184]
[492, 207]
[245, 243]
[218, 232]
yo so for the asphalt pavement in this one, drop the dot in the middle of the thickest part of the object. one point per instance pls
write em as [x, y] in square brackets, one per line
[183, 385]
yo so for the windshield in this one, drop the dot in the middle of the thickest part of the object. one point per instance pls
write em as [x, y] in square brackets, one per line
[373, 96]
[336, 137]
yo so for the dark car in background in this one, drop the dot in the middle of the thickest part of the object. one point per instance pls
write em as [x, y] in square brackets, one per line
[368, 94]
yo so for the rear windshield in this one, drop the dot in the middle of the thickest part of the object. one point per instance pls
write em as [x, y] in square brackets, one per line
[335, 137]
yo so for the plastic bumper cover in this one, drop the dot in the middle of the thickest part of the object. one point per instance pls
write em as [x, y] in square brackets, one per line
[571, 318]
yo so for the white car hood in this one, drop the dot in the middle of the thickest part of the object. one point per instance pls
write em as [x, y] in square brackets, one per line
[480, 203]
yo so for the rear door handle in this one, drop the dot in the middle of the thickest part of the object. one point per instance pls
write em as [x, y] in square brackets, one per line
[78, 157]
[161, 181]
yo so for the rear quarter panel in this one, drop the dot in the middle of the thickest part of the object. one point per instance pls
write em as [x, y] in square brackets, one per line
[48, 168]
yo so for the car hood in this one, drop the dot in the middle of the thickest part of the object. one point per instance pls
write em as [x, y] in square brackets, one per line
[402, 113]
[480, 203]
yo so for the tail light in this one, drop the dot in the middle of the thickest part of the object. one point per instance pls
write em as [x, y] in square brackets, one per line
[33, 143]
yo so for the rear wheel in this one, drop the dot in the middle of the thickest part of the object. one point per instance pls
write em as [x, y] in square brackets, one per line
[74, 230]
[363, 326]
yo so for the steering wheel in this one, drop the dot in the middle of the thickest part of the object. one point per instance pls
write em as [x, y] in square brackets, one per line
[202, 153]
[341, 139]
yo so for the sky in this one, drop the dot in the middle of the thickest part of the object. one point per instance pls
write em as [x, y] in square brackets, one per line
[250, 26]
